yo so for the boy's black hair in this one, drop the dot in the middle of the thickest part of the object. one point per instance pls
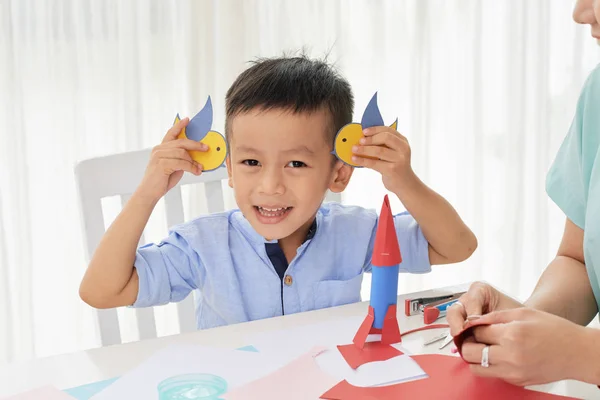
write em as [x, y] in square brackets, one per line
[298, 84]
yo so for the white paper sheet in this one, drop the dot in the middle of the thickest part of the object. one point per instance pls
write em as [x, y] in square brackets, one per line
[398, 369]
[214, 370]
[45, 393]
[290, 344]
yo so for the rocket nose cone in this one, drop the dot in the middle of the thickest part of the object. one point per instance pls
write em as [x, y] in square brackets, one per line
[386, 250]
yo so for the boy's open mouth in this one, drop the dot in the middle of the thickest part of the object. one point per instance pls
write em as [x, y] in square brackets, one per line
[272, 215]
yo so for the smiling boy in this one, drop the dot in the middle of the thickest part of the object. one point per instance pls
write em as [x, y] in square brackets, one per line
[284, 250]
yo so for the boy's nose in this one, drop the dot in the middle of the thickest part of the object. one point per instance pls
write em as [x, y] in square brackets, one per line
[271, 183]
[583, 13]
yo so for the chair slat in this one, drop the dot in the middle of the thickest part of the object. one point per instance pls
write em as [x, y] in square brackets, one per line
[119, 174]
[174, 207]
[214, 197]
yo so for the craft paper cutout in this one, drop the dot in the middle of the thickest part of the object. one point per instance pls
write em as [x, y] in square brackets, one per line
[372, 351]
[449, 378]
[382, 315]
[45, 393]
[85, 392]
[199, 126]
[376, 351]
[301, 379]
[350, 134]
[198, 129]
[248, 348]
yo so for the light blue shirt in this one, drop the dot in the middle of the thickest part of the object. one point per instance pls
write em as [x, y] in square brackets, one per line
[573, 182]
[225, 259]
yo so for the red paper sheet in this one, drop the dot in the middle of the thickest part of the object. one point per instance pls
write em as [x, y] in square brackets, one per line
[449, 378]
[373, 351]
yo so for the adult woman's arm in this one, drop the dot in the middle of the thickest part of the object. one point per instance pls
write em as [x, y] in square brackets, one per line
[564, 288]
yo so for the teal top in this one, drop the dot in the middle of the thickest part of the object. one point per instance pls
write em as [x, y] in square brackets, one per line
[573, 181]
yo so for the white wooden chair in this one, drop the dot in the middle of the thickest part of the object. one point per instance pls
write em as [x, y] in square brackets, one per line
[119, 175]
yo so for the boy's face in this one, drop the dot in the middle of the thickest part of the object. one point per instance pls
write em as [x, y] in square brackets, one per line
[280, 166]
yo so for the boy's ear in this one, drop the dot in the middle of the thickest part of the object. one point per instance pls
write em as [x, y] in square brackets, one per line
[340, 178]
[228, 165]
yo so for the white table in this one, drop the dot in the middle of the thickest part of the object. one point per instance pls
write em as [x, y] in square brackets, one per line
[70, 370]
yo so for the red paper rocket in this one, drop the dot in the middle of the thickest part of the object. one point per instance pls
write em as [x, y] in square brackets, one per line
[385, 261]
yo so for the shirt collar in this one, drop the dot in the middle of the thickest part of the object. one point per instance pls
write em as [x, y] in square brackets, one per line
[257, 239]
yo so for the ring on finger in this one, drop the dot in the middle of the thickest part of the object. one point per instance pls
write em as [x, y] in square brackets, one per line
[457, 303]
[485, 357]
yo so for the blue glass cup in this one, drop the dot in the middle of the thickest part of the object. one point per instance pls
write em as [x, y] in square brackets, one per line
[192, 387]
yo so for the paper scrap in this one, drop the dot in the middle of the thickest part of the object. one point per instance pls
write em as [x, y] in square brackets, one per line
[85, 392]
[248, 348]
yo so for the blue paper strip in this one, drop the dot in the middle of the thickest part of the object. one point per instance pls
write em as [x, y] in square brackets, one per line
[85, 392]
[248, 348]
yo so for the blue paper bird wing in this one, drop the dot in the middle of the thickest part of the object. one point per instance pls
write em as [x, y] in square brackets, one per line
[200, 125]
[372, 115]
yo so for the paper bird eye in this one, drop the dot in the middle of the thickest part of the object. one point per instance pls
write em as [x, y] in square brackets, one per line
[344, 139]
[218, 149]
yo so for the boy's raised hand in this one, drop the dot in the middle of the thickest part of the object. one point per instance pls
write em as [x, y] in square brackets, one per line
[386, 151]
[168, 162]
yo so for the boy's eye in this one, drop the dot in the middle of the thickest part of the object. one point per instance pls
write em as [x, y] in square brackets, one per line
[296, 164]
[251, 163]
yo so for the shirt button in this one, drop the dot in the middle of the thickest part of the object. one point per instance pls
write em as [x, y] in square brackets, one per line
[288, 280]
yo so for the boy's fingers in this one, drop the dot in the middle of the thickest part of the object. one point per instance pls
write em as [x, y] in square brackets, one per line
[173, 153]
[374, 130]
[391, 139]
[377, 165]
[175, 130]
[186, 144]
[170, 165]
[378, 152]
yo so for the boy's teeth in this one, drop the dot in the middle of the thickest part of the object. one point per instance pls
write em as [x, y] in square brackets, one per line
[272, 212]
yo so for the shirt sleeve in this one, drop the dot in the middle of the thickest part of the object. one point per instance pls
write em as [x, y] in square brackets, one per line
[566, 180]
[167, 271]
[414, 248]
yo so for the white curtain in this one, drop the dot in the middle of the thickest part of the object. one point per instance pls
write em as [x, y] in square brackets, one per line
[484, 90]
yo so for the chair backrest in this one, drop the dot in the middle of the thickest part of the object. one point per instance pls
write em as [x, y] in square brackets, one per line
[119, 175]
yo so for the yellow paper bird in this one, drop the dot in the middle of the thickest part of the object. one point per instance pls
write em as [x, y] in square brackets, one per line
[350, 134]
[198, 129]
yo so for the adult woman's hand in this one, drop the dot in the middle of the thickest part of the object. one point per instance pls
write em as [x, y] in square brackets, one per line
[480, 299]
[531, 347]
